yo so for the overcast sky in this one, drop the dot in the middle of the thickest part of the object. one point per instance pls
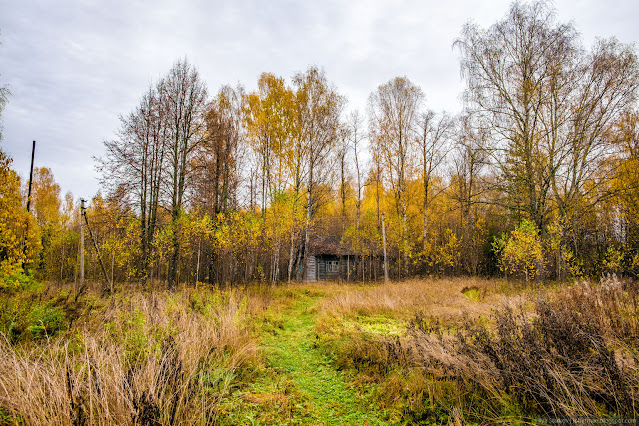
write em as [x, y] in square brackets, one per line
[74, 66]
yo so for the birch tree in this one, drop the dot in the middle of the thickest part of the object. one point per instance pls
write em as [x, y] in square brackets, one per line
[548, 105]
[355, 124]
[185, 98]
[319, 108]
[219, 162]
[433, 141]
[394, 113]
[134, 163]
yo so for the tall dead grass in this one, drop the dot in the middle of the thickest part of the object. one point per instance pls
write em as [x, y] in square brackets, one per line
[568, 352]
[574, 355]
[441, 298]
[148, 359]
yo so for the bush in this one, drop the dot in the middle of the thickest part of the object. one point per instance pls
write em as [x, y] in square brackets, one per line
[573, 355]
[558, 364]
[24, 316]
[16, 280]
[520, 253]
[46, 321]
[23, 321]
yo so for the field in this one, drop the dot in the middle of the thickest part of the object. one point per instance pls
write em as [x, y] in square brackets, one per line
[450, 351]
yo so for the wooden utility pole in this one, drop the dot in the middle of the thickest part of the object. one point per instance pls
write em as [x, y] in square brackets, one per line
[26, 231]
[384, 242]
[81, 243]
[31, 176]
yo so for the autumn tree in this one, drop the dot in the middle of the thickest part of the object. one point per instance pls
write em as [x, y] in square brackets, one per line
[134, 164]
[185, 97]
[218, 167]
[219, 160]
[115, 229]
[351, 154]
[19, 232]
[509, 69]
[520, 253]
[45, 197]
[469, 187]
[153, 156]
[46, 202]
[319, 108]
[549, 106]
[394, 114]
[271, 120]
[342, 155]
[626, 137]
[626, 185]
[294, 132]
[63, 265]
[608, 79]
[356, 135]
[433, 140]
[273, 129]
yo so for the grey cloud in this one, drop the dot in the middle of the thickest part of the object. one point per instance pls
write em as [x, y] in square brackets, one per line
[74, 65]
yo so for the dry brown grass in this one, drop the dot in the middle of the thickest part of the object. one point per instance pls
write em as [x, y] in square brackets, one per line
[573, 355]
[560, 351]
[442, 298]
[154, 358]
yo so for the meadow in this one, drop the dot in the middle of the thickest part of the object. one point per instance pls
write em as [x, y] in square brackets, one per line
[256, 185]
[448, 351]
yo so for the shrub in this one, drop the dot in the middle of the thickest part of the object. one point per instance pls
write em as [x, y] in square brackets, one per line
[46, 321]
[14, 279]
[558, 364]
[24, 317]
[573, 355]
[520, 253]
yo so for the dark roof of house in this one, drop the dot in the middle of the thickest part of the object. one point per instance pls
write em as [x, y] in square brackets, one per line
[328, 245]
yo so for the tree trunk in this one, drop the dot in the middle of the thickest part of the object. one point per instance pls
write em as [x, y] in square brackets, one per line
[385, 253]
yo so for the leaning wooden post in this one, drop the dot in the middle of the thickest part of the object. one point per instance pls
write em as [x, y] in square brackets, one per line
[97, 251]
[384, 242]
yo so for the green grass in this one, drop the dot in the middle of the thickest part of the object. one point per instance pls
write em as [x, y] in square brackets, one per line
[299, 384]
[472, 293]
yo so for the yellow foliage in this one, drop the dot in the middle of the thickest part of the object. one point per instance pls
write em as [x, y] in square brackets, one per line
[521, 252]
[45, 197]
[15, 223]
[614, 259]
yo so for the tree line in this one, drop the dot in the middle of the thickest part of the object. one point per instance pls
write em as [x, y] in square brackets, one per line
[535, 178]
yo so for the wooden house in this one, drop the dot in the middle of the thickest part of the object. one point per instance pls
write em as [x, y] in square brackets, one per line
[329, 259]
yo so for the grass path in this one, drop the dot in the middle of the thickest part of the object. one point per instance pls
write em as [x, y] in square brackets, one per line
[300, 385]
